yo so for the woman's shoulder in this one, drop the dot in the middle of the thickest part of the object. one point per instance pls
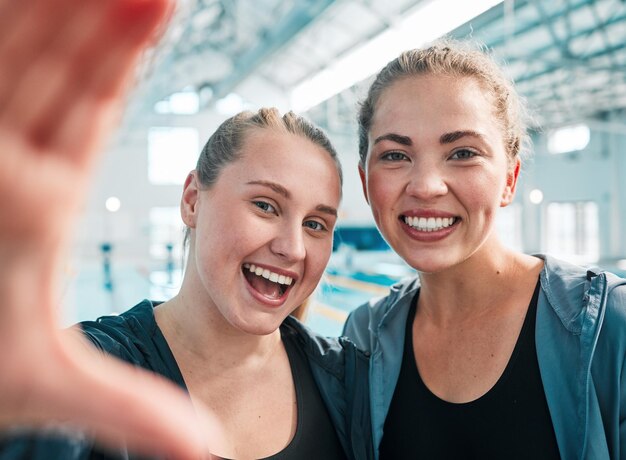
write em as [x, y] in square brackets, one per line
[615, 315]
[312, 341]
[328, 353]
[368, 316]
[126, 335]
[569, 288]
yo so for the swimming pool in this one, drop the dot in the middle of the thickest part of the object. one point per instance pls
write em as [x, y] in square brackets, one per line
[91, 291]
[88, 294]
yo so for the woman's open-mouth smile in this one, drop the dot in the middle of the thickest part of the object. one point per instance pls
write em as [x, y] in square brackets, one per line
[429, 228]
[268, 286]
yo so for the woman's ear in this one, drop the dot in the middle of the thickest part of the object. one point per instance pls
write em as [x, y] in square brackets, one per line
[189, 200]
[363, 183]
[511, 183]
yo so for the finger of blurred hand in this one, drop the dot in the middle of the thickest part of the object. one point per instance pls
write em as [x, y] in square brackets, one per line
[37, 63]
[74, 386]
[70, 97]
[51, 376]
[83, 66]
[26, 31]
[145, 412]
[109, 68]
[116, 402]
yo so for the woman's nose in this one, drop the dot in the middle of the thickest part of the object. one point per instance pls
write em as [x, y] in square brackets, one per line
[426, 183]
[289, 243]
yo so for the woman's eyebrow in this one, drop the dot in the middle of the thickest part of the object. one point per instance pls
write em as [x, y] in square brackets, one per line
[284, 192]
[327, 209]
[449, 138]
[397, 138]
[273, 185]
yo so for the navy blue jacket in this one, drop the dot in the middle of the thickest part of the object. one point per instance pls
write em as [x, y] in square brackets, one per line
[339, 368]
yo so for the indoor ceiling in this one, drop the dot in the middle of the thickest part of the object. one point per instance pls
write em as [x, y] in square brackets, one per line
[568, 57]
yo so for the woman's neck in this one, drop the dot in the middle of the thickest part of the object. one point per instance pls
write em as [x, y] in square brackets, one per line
[477, 285]
[195, 330]
[243, 379]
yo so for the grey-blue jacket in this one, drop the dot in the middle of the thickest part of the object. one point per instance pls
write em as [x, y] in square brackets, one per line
[581, 348]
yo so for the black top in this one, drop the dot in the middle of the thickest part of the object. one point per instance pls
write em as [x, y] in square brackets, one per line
[135, 337]
[315, 436]
[510, 421]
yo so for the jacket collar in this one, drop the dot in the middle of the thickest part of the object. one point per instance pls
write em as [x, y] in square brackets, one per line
[565, 285]
[396, 303]
[328, 353]
[577, 299]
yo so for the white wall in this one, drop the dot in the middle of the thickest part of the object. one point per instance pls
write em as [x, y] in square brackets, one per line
[595, 174]
[123, 172]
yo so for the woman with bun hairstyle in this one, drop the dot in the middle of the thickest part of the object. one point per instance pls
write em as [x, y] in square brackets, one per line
[259, 242]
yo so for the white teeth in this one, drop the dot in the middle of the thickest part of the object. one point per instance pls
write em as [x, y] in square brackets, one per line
[265, 273]
[430, 224]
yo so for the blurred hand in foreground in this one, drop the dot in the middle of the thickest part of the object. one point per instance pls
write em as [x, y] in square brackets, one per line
[65, 67]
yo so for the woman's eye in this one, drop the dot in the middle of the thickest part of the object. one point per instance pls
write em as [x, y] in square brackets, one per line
[314, 225]
[264, 206]
[463, 154]
[394, 156]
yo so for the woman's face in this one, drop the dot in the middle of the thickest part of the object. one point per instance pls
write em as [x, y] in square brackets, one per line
[270, 214]
[437, 170]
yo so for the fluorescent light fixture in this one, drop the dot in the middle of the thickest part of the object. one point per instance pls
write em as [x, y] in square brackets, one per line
[427, 23]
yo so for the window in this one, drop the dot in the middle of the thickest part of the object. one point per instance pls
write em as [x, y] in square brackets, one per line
[172, 153]
[166, 228]
[573, 231]
[569, 139]
[166, 248]
[509, 226]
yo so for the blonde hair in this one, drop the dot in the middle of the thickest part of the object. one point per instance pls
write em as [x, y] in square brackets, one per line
[457, 59]
[224, 145]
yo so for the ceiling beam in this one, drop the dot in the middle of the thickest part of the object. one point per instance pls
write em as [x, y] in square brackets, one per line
[581, 62]
[497, 13]
[276, 37]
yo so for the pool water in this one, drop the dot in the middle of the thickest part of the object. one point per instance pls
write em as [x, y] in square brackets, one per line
[92, 291]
